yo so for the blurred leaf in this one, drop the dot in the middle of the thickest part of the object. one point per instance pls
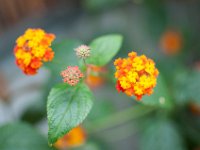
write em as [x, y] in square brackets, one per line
[88, 146]
[101, 108]
[104, 48]
[160, 96]
[64, 55]
[156, 17]
[190, 123]
[179, 86]
[165, 66]
[21, 136]
[161, 135]
[67, 107]
[187, 87]
[96, 5]
[193, 86]
[35, 112]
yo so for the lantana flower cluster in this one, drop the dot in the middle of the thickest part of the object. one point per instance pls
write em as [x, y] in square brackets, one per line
[95, 76]
[32, 49]
[136, 75]
[74, 138]
[171, 42]
[71, 75]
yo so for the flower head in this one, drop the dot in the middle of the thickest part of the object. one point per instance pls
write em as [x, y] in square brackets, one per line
[32, 49]
[74, 138]
[71, 75]
[136, 75]
[95, 76]
[83, 51]
[171, 42]
[195, 108]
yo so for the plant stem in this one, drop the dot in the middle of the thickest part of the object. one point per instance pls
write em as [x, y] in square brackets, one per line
[118, 118]
[86, 71]
[121, 132]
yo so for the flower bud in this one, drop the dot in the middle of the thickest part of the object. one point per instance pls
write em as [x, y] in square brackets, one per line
[83, 51]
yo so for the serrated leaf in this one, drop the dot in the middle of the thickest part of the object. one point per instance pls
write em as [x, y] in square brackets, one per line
[160, 96]
[21, 136]
[161, 135]
[64, 55]
[67, 107]
[104, 48]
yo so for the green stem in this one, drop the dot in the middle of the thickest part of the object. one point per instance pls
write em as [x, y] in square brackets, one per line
[120, 133]
[118, 118]
[85, 67]
[84, 62]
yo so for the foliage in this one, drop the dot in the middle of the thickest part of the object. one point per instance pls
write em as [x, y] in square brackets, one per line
[21, 136]
[163, 135]
[67, 107]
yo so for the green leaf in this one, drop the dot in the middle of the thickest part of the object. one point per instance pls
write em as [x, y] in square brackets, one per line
[67, 107]
[161, 135]
[101, 109]
[64, 55]
[21, 136]
[180, 87]
[104, 48]
[160, 96]
[187, 87]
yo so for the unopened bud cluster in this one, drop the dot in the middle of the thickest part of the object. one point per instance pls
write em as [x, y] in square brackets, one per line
[71, 75]
[83, 51]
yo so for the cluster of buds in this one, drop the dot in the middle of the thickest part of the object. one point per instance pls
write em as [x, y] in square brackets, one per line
[32, 49]
[83, 51]
[71, 75]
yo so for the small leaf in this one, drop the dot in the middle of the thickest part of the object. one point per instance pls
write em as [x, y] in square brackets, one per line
[161, 135]
[21, 136]
[67, 107]
[160, 96]
[104, 48]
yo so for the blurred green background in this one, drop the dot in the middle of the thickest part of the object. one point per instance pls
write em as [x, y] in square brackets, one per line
[164, 30]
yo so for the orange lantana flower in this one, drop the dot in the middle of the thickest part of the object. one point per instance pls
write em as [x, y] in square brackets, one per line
[74, 138]
[32, 49]
[195, 108]
[136, 75]
[94, 78]
[171, 42]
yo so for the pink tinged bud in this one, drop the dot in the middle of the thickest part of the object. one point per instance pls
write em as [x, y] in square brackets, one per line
[83, 51]
[71, 75]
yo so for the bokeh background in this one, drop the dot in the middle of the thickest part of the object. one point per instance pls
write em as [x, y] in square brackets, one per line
[166, 30]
